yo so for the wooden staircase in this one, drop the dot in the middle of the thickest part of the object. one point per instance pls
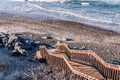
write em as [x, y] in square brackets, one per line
[70, 62]
[85, 69]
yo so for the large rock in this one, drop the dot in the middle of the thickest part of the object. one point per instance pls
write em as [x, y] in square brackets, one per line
[22, 51]
[1, 42]
[19, 47]
[3, 39]
[12, 39]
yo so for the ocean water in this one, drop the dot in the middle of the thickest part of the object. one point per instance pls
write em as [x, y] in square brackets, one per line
[99, 13]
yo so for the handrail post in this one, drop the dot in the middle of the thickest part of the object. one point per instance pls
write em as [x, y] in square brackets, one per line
[42, 51]
[63, 48]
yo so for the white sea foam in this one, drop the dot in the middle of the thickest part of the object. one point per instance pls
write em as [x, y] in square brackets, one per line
[111, 1]
[40, 0]
[85, 3]
[107, 1]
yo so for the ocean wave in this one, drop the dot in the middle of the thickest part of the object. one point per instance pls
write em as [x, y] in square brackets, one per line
[40, 0]
[88, 15]
[97, 13]
[111, 1]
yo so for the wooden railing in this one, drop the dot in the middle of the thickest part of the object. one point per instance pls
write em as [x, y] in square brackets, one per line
[110, 72]
[59, 61]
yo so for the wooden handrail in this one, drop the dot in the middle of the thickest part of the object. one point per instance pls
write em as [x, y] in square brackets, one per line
[65, 64]
[89, 52]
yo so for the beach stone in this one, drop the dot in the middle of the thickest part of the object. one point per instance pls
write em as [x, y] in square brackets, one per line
[29, 45]
[10, 47]
[69, 39]
[11, 42]
[12, 39]
[5, 41]
[19, 48]
[21, 40]
[2, 35]
[83, 48]
[47, 37]
[18, 45]
[22, 52]
[1, 43]
[19, 52]
[14, 52]
[75, 48]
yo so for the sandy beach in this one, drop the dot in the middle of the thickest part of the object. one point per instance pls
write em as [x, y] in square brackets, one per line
[105, 43]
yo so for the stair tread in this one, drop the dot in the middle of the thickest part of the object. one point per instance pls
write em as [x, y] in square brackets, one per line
[88, 70]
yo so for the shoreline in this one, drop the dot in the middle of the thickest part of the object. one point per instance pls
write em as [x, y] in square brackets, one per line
[101, 41]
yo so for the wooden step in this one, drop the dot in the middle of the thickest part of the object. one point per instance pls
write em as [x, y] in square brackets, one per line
[88, 70]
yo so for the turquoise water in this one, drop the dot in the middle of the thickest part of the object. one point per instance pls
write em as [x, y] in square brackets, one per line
[100, 13]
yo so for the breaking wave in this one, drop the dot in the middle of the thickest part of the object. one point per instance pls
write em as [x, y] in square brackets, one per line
[106, 1]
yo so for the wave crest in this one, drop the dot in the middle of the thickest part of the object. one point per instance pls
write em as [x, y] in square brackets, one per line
[106, 1]
[41, 0]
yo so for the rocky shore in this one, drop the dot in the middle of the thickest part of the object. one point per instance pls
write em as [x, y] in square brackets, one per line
[21, 35]
[18, 60]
